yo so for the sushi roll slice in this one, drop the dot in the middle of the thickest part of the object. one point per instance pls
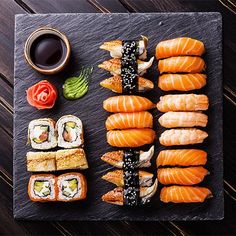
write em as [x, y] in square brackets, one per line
[41, 161]
[42, 134]
[71, 187]
[42, 188]
[70, 132]
[71, 159]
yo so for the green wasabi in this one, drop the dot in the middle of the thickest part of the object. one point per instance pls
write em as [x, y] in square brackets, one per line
[77, 87]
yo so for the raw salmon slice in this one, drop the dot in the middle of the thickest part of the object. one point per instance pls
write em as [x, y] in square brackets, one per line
[127, 103]
[130, 137]
[183, 119]
[181, 82]
[181, 157]
[183, 102]
[179, 47]
[182, 176]
[182, 136]
[184, 194]
[181, 64]
[142, 119]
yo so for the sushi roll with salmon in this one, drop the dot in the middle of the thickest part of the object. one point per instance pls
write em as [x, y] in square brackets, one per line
[42, 188]
[70, 132]
[42, 134]
[71, 187]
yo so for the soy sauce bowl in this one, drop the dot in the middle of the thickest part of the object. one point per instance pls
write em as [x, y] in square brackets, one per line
[55, 36]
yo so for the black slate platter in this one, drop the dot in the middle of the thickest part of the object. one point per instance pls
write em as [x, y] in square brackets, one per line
[86, 33]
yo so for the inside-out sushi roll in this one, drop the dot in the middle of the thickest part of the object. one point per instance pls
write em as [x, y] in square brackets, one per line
[71, 187]
[41, 134]
[70, 132]
[42, 188]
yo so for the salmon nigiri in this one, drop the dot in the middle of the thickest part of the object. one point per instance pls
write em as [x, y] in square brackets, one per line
[179, 47]
[184, 194]
[114, 66]
[182, 136]
[181, 82]
[183, 102]
[181, 157]
[182, 176]
[115, 84]
[142, 119]
[130, 137]
[181, 64]
[127, 103]
[183, 119]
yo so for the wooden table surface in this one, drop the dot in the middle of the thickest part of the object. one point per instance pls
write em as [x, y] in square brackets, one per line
[8, 8]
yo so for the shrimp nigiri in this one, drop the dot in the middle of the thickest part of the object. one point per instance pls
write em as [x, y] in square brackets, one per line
[179, 47]
[182, 136]
[183, 102]
[181, 82]
[182, 176]
[183, 119]
[181, 157]
[184, 194]
[182, 64]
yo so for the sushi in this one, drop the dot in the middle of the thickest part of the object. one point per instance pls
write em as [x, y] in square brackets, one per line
[142, 119]
[182, 176]
[42, 134]
[181, 157]
[179, 47]
[130, 137]
[184, 194]
[71, 187]
[117, 177]
[118, 158]
[183, 119]
[182, 136]
[116, 85]
[183, 102]
[115, 47]
[42, 188]
[70, 132]
[182, 64]
[181, 82]
[131, 196]
[114, 66]
[127, 103]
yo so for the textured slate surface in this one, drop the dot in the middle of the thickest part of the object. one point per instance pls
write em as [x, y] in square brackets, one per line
[86, 32]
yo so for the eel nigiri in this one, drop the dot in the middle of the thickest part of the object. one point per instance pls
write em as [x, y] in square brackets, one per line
[182, 64]
[182, 176]
[117, 177]
[115, 47]
[181, 82]
[115, 84]
[181, 157]
[116, 158]
[179, 47]
[127, 103]
[141, 119]
[114, 66]
[183, 102]
[182, 136]
[184, 194]
[116, 196]
[183, 119]
[130, 137]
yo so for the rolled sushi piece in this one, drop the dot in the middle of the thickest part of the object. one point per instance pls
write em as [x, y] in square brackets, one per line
[42, 134]
[71, 187]
[70, 132]
[42, 188]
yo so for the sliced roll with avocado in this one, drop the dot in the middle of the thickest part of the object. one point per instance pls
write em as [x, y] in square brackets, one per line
[70, 132]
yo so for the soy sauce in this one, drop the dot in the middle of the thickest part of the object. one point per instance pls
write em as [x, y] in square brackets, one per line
[48, 51]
